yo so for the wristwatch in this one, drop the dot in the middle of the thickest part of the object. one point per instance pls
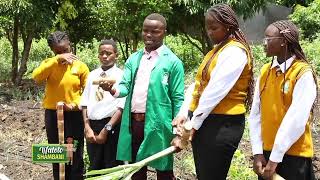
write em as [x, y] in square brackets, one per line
[108, 127]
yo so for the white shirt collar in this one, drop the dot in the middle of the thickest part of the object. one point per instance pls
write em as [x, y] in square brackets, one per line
[283, 66]
[108, 72]
[157, 50]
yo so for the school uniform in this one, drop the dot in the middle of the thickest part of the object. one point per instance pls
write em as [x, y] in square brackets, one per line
[154, 84]
[217, 108]
[99, 113]
[64, 83]
[281, 115]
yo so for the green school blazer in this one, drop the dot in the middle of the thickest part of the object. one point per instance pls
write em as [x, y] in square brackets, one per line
[164, 99]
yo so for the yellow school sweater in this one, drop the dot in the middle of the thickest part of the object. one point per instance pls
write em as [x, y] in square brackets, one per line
[276, 97]
[63, 82]
[233, 103]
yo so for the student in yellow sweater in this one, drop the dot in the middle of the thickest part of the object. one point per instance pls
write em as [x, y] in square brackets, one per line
[281, 113]
[218, 102]
[65, 78]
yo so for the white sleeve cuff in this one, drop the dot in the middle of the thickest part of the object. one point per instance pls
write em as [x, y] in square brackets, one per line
[117, 93]
[196, 122]
[276, 156]
[257, 149]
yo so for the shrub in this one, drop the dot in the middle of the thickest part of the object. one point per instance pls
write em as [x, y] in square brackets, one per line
[5, 59]
[308, 19]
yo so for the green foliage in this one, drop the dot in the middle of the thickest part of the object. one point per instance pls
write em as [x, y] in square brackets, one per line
[243, 8]
[190, 56]
[239, 168]
[308, 19]
[39, 51]
[312, 51]
[259, 58]
[26, 94]
[5, 59]
[292, 3]
[88, 53]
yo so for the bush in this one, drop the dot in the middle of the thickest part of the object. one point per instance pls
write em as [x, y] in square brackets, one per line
[39, 51]
[5, 59]
[312, 51]
[259, 57]
[189, 54]
[308, 19]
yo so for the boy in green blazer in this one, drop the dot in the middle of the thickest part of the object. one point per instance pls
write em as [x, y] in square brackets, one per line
[153, 82]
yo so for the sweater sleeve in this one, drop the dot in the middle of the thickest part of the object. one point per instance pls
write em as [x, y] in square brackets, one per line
[41, 73]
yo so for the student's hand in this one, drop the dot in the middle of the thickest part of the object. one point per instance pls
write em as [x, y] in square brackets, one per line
[269, 170]
[69, 107]
[89, 134]
[259, 163]
[178, 122]
[102, 137]
[66, 58]
[177, 142]
[107, 86]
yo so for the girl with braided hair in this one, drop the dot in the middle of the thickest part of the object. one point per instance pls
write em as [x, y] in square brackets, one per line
[65, 78]
[284, 98]
[221, 92]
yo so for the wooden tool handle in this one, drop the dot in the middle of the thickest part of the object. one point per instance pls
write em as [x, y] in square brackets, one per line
[277, 177]
[60, 119]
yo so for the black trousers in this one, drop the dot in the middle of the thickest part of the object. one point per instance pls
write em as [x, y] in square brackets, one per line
[103, 156]
[293, 167]
[215, 143]
[73, 127]
[137, 138]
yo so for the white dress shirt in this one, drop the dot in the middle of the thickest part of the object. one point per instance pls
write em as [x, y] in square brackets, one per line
[230, 64]
[294, 121]
[141, 84]
[98, 110]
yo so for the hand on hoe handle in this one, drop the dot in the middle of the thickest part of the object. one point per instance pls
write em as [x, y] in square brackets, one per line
[184, 132]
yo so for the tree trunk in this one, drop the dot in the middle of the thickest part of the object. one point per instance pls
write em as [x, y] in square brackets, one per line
[15, 49]
[122, 50]
[127, 43]
[135, 43]
[25, 57]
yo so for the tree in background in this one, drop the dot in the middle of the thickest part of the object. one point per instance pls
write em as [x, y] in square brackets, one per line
[25, 19]
[188, 17]
[28, 20]
[308, 19]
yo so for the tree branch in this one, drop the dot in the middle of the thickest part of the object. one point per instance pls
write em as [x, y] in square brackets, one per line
[193, 43]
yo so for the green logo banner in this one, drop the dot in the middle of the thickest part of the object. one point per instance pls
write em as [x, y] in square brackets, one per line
[49, 153]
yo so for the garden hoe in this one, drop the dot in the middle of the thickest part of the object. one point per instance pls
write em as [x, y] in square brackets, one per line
[69, 145]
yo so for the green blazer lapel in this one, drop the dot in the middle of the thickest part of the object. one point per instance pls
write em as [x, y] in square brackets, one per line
[165, 52]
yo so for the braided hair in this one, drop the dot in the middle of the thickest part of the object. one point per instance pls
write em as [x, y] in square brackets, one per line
[290, 33]
[226, 16]
[56, 37]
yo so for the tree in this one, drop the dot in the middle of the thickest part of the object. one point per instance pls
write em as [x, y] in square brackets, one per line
[25, 19]
[124, 21]
[28, 20]
[188, 17]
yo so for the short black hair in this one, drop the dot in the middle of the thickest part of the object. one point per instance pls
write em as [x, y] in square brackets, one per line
[109, 42]
[158, 17]
[56, 37]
